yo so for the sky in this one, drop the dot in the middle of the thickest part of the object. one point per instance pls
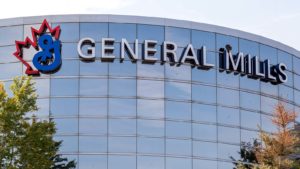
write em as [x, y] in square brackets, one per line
[275, 19]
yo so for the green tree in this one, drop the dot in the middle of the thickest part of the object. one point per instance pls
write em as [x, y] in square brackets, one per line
[26, 143]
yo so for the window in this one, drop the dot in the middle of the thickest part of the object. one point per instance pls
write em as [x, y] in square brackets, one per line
[229, 116]
[176, 90]
[144, 162]
[122, 144]
[122, 126]
[150, 32]
[64, 87]
[92, 144]
[205, 94]
[205, 113]
[69, 50]
[268, 52]
[228, 97]
[249, 136]
[178, 163]
[180, 36]
[150, 70]
[150, 88]
[248, 47]
[68, 68]
[286, 93]
[268, 104]
[269, 88]
[178, 110]
[151, 128]
[182, 72]
[125, 68]
[178, 129]
[204, 132]
[122, 107]
[178, 147]
[42, 87]
[93, 87]
[205, 149]
[228, 79]
[285, 58]
[96, 31]
[151, 145]
[117, 162]
[223, 40]
[229, 135]
[225, 151]
[296, 63]
[95, 68]
[6, 54]
[150, 108]
[250, 101]
[122, 30]
[11, 70]
[250, 119]
[93, 107]
[201, 38]
[206, 76]
[249, 84]
[92, 126]
[93, 161]
[9, 34]
[64, 107]
[122, 87]
[204, 164]
[68, 145]
[70, 31]
[66, 126]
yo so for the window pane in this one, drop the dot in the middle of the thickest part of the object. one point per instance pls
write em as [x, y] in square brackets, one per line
[68, 68]
[206, 76]
[225, 151]
[122, 30]
[150, 32]
[122, 107]
[150, 70]
[58, 87]
[125, 68]
[250, 101]
[6, 53]
[205, 149]
[180, 36]
[11, 70]
[201, 38]
[176, 90]
[122, 87]
[69, 33]
[117, 162]
[204, 132]
[178, 163]
[93, 68]
[69, 144]
[229, 135]
[267, 52]
[151, 128]
[95, 107]
[178, 129]
[228, 116]
[93, 87]
[151, 108]
[178, 110]
[268, 104]
[122, 144]
[92, 126]
[178, 147]
[96, 31]
[150, 88]
[122, 126]
[250, 119]
[205, 94]
[204, 164]
[66, 126]
[92, 161]
[205, 113]
[286, 58]
[182, 72]
[64, 107]
[228, 97]
[151, 145]
[148, 162]
[92, 144]
[9, 34]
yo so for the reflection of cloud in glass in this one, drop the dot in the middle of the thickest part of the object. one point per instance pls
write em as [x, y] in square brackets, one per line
[152, 123]
[148, 70]
[151, 108]
[176, 88]
[149, 88]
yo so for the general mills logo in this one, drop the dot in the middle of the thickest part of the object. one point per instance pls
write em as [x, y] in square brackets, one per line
[46, 42]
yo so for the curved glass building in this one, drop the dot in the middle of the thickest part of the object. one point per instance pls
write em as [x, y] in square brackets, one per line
[151, 93]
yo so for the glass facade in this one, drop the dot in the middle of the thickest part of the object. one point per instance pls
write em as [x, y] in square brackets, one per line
[120, 114]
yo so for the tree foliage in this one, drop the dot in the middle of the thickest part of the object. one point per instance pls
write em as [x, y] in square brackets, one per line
[26, 143]
[274, 150]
